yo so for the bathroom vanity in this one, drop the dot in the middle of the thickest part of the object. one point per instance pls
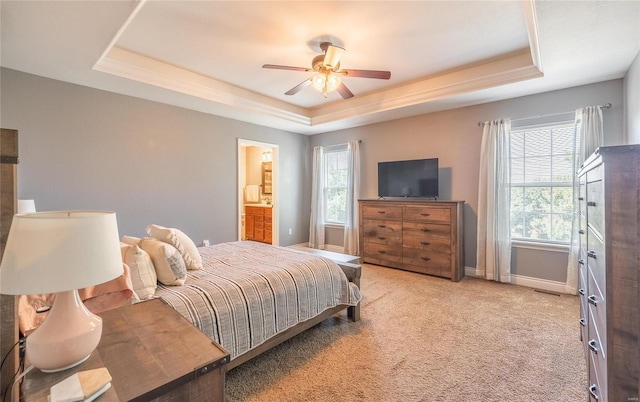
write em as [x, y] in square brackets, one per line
[258, 225]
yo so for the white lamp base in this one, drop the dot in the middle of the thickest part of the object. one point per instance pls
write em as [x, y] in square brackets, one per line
[66, 337]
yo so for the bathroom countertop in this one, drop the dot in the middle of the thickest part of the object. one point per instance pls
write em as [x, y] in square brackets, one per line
[259, 205]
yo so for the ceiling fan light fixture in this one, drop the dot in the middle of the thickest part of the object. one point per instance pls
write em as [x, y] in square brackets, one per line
[318, 82]
[326, 82]
[333, 56]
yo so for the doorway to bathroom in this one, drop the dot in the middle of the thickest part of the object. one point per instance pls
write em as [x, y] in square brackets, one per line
[257, 191]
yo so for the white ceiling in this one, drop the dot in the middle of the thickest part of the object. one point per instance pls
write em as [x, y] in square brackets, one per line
[207, 55]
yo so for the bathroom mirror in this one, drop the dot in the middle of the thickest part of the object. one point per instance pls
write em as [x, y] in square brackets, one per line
[266, 177]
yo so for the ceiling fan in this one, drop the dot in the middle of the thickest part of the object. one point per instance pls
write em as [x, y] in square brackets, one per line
[328, 79]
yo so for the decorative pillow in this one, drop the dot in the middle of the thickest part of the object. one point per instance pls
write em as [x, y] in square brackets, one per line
[143, 273]
[167, 261]
[179, 240]
[32, 309]
[134, 241]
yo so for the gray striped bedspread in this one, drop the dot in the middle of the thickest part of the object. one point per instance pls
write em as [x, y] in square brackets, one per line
[248, 292]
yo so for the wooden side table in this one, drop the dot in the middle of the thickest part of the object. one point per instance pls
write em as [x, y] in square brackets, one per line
[152, 353]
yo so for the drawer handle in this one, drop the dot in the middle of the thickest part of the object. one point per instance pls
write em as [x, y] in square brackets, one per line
[381, 251]
[593, 300]
[581, 261]
[382, 226]
[425, 214]
[425, 230]
[580, 198]
[583, 322]
[592, 391]
[382, 238]
[591, 254]
[425, 243]
[591, 203]
[581, 291]
[592, 346]
[381, 212]
[581, 231]
[425, 258]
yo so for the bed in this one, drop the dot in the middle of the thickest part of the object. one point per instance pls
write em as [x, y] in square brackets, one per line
[251, 296]
[246, 296]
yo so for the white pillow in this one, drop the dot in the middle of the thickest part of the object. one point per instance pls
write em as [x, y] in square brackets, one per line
[134, 241]
[179, 240]
[167, 261]
[142, 271]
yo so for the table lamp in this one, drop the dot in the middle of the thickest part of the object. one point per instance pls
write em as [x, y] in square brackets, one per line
[61, 252]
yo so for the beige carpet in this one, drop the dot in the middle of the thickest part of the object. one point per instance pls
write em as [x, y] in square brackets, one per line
[428, 339]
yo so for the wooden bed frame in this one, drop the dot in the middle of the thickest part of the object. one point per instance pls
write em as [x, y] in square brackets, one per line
[353, 273]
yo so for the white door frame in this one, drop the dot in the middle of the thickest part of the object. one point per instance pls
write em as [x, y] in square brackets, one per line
[274, 196]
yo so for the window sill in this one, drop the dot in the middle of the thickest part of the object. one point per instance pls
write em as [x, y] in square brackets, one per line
[561, 248]
[334, 225]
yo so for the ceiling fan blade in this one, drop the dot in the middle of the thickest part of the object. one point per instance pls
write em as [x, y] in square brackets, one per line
[278, 67]
[299, 87]
[381, 75]
[344, 91]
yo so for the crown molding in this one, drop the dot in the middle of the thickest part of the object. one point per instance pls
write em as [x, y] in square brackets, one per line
[521, 65]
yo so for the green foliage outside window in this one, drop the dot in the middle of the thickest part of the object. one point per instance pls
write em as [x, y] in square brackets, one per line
[542, 183]
[336, 187]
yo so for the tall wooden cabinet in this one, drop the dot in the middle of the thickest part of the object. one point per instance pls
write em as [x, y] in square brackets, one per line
[8, 305]
[609, 272]
[419, 236]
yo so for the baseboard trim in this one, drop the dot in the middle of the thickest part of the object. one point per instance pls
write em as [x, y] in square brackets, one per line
[528, 281]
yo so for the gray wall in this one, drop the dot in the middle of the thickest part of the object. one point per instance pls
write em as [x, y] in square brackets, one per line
[82, 148]
[454, 137]
[632, 102]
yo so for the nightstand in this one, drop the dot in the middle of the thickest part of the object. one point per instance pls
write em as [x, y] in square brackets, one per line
[152, 353]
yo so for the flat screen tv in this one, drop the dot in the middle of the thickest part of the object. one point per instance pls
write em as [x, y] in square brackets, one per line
[410, 178]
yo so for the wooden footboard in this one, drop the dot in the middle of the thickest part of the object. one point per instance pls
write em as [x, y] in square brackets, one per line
[353, 273]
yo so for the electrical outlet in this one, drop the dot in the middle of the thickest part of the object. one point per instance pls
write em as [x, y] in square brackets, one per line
[290, 231]
[205, 243]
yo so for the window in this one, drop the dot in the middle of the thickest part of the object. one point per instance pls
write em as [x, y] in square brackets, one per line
[335, 187]
[542, 161]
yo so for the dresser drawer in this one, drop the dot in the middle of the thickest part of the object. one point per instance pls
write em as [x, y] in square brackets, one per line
[382, 232]
[595, 384]
[427, 258]
[584, 309]
[432, 243]
[377, 253]
[427, 214]
[596, 345]
[596, 302]
[595, 206]
[596, 257]
[382, 212]
[426, 230]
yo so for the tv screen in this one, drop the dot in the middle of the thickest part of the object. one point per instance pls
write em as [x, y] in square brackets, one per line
[412, 178]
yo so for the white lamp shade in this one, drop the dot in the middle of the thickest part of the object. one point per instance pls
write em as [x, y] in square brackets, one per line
[26, 206]
[50, 252]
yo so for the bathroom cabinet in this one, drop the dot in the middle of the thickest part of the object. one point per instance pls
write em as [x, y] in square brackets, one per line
[258, 225]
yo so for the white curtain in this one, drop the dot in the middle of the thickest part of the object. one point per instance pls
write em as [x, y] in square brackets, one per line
[589, 137]
[316, 224]
[351, 237]
[494, 198]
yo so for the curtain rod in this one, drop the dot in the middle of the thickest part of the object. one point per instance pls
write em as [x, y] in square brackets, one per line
[605, 106]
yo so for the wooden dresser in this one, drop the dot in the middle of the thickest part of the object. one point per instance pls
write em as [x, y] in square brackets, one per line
[258, 224]
[419, 236]
[609, 271]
